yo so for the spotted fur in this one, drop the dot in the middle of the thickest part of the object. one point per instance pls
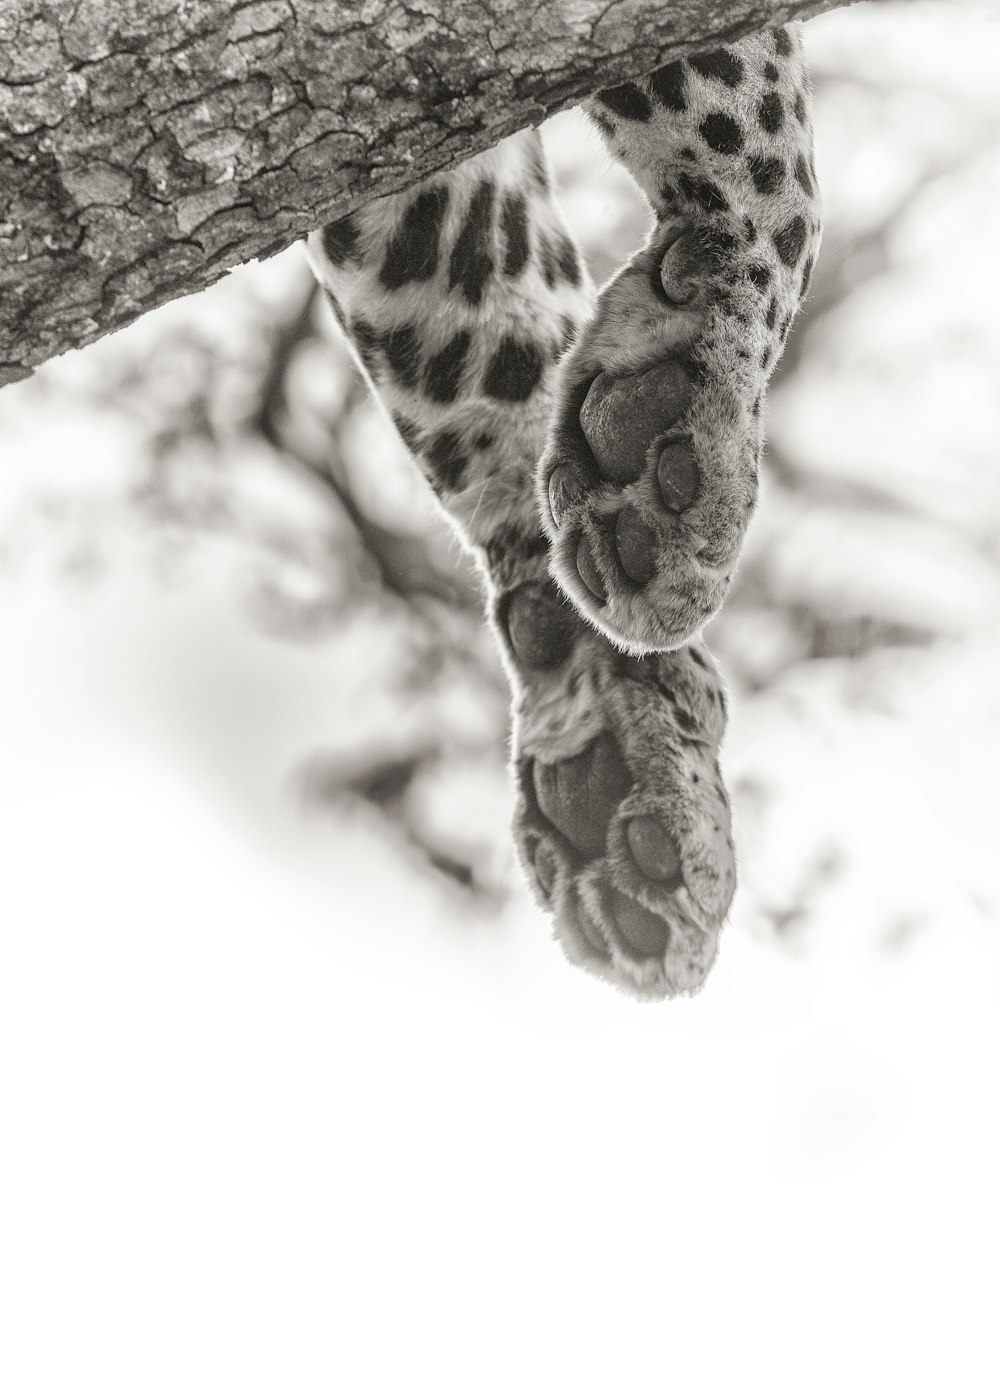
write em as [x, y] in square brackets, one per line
[471, 313]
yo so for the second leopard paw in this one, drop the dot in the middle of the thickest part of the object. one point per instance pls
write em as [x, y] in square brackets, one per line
[649, 478]
[626, 838]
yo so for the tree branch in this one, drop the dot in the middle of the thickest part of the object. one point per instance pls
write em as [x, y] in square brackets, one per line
[147, 147]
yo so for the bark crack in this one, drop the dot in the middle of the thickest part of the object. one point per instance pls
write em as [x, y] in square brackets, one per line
[147, 147]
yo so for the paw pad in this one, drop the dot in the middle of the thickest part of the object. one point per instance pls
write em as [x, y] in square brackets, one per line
[586, 567]
[591, 934]
[628, 841]
[644, 932]
[630, 506]
[579, 795]
[652, 459]
[623, 415]
[546, 869]
[654, 851]
[564, 490]
[540, 626]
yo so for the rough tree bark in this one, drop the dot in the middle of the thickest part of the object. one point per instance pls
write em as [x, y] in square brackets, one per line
[147, 146]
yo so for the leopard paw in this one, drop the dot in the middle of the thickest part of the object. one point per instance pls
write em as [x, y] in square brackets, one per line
[649, 477]
[622, 822]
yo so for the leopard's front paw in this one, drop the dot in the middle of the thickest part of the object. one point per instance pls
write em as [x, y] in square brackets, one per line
[622, 820]
[649, 477]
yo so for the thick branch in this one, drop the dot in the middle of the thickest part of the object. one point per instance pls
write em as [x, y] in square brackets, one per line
[146, 147]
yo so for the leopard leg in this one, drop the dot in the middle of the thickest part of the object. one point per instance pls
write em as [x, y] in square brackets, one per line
[459, 298]
[649, 477]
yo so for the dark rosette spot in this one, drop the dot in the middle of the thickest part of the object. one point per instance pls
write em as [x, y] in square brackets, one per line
[791, 240]
[705, 193]
[513, 371]
[568, 262]
[448, 461]
[509, 546]
[770, 113]
[768, 175]
[719, 64]
[402, 350]
[722, 133]
[412, 254]
[407, 430]
[367, 340]
[627, 101]
[471, 265]
[340, 240]
[667, 86]
[444, 370]
[514, 223]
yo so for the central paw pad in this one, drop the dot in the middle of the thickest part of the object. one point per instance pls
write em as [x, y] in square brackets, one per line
[622, 417]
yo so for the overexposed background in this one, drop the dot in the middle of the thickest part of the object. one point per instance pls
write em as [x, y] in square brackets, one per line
[298, 1097]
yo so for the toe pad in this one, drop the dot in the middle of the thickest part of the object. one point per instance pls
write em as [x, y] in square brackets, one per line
[642, 931]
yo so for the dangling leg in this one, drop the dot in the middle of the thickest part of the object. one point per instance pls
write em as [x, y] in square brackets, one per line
[459, 297]
[649, 477]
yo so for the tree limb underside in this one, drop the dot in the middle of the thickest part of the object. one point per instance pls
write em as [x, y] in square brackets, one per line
[148, 146]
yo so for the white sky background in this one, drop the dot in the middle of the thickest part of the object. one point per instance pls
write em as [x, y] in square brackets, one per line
[279, 1118]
